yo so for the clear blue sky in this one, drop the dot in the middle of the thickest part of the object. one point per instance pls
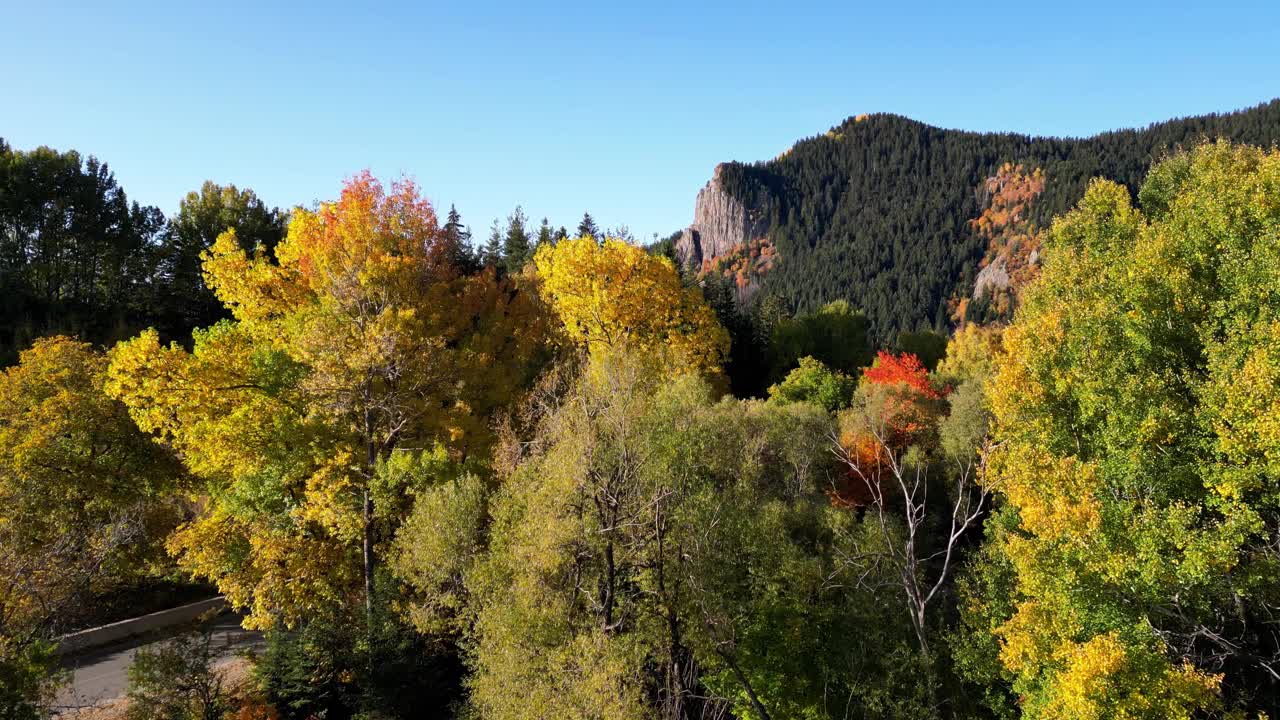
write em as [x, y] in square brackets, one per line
[619, 108]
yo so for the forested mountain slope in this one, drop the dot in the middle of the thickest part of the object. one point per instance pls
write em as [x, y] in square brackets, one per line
[880, 210]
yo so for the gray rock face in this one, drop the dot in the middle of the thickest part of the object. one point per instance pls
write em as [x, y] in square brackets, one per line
[689, 248]
[991, 277]
[719, 223]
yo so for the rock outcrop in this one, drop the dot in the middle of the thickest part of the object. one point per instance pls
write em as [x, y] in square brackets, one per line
[991, 278]
[720, 223]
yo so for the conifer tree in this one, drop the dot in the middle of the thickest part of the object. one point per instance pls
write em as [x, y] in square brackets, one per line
[516, 241]
[458, 237]
[545, 235]
[491, 253]
[588, 226]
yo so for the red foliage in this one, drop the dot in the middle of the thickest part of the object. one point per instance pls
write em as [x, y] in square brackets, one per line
[890, 369]
[905, 415]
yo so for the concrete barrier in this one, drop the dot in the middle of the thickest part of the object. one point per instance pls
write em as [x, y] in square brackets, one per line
[107, 634]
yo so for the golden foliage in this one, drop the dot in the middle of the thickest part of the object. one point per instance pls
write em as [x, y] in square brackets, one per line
[614, 295]
[84, 496]
[360, 336]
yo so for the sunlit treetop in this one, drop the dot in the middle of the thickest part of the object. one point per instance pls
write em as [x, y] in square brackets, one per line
[386, 243]
[614, 295]
[1136, 447]
[904, 368]
[359, 339]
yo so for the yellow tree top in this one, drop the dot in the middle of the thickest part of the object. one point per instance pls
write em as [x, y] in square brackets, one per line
[614, 295]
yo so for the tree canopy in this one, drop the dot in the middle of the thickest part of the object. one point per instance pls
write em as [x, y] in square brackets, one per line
[360, 338]
[1134, 463]
[614, 296]
[512, 484]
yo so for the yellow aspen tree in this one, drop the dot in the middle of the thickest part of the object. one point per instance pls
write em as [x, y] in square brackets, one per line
[614, 295]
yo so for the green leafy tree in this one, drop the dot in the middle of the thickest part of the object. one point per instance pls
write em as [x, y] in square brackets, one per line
[1132, 574]
[927, 345]
[439, 544]
[76, 256]
[331, 665]
[653, 552]
[836, 335]
[177, 680]
[815, 383]
[919, 490]
[202, 216]
[30, 677]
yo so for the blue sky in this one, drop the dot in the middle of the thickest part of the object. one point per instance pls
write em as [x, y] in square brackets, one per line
[622, 109]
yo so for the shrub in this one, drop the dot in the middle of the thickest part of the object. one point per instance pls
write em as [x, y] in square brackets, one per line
[177, 681]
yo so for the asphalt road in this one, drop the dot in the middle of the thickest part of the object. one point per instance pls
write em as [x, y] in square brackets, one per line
[102, 674]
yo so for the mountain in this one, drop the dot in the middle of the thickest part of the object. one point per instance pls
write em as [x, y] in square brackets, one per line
[901, 218]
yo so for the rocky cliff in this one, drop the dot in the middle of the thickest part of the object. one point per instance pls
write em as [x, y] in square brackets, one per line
[720, 224]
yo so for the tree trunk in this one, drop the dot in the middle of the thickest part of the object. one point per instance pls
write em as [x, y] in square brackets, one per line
[609, 580]
[369, 558]
[926, 658]
[675, 682]
[746, 685]
[676, 651]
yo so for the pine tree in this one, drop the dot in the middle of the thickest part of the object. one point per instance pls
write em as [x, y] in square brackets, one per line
[545, 236]
[587, 228]
[453, 225]
[491, 254]
[622, 232]
[516, 242]
[458, 238]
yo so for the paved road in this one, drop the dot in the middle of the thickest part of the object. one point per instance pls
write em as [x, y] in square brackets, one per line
[102, 674]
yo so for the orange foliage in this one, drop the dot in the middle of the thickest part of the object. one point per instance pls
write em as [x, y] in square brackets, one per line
[902, 407]
[1012, 239]
[256, 710]
[867, 459]
[1012, 190]
[392, 227]
[743, 262]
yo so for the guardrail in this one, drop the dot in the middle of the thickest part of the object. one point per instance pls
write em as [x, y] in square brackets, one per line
[107, 634]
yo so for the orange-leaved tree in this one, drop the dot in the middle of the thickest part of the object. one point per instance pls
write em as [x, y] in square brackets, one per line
[359, 339]
[897, 406]
[890, 443]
